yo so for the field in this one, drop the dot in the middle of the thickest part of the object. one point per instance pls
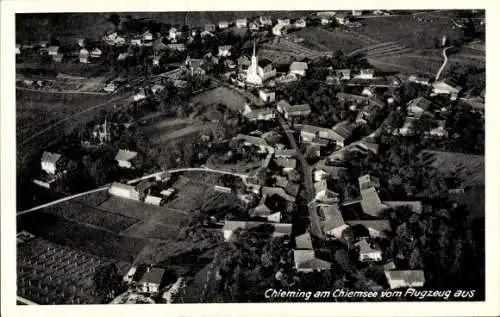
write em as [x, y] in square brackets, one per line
[409, 31]
[52, 274]
[332, 40]
[223, 95]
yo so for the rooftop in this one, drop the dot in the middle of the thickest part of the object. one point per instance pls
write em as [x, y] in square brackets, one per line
[125, 155]
[378, 225]
[50, 157]
[153, 275]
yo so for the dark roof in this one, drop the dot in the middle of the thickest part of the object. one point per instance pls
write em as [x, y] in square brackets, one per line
[154, 275]
[292, 189]
[50, 157]
[378, 225]
[264, 62]
[303, 241]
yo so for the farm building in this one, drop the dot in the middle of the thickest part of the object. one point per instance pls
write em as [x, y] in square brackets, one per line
[258, 113]
[418, 106]
[249, 140]
[304, 256]
[270, 208]
[57, 58]
[253, 26]
[368, 252]
[241, 23]
[290, 111]
[300, 23]
[298, 68]
[446, 87]
[52, 163]
[224, 50]
[223, 25]
[264, 20]
[405, 278]
[53, 50]
[267, 95]
[342, 18]
[151, 280]
[419, 80]
[96, 53]
[283, 22]
[332, 221]
[153, 200]
[83, 56]
[365, 74]
[324, 193]
[230, 226]
[124, 191]
[309, 133]
[125, 158]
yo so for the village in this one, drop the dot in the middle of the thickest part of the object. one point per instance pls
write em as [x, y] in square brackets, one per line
[318, 162]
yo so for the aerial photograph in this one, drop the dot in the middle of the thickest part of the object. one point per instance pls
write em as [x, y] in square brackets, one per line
[250, 156]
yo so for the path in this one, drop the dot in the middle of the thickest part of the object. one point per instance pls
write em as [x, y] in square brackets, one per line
[308, 180]
[66, 92]
[106, 187]
[444, 62]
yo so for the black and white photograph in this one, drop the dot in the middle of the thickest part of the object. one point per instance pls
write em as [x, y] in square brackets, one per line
[278, 156]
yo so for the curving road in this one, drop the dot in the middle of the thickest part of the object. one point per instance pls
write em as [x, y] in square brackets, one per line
[106, 187]
[444, 62]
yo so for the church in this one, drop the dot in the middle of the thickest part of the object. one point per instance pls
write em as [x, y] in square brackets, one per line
[259, 71]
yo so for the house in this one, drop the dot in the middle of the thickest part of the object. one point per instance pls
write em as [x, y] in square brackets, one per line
[298, 68]
[447, 87]
[57, 58]
[290, 111]
[124, 191]
[224, 50]
[324, 171]
[110, 87]
[253, 26]
[140, 95]
[52, 163]
[284, 153]
[270, 207]
[258, 113]
[176, 47]
[344, 129]
[18, 49]
[122, 56]
[278, 191]
[125, 158]
[283, 22]
[249, 140]
[210, 27]
[309, 133]
[84, 56]
[304, 256]
[151, 281]
[287, 164]
[365, 74]
[95, 53]
[292, 189]
[324, 194]
[277, 30]
[367, 181]
[405, 278]
[370, 202]
[300, 23]
[343, 74]
[376, 228]
[241, 23]
[129, 277]
[147, 38]
[267, 95]
[356, 13]
[342, 18]
[264, 20]
[168, 193]
[286, 79]
[419, 80]
[368, 92]
[368, 252]
[153, 200]
[136, 41]
[230, 226]
[223, 25]
[53, 50]
[281, 181]
[325, 20]
[157, 88]
[332, 221]
[173, 34]
[418, 106]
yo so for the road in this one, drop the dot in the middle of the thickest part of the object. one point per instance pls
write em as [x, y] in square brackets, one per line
[307, 176]
[106, 187]
[64, 92]
[444, 62]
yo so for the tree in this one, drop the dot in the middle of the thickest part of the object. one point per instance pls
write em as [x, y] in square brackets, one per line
[115, 19]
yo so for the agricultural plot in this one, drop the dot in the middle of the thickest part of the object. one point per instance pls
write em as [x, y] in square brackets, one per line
[422, 31]
[130, 208]
[152, 230]
[80, 236]
[48, 273]
[221, 95]
[332, 40]
[83, 214]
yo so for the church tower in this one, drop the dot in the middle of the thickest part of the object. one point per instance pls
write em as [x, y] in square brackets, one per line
[252, 75]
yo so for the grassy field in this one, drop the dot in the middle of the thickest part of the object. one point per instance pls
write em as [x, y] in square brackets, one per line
[407, 30]
[331, 40]
[223, 95]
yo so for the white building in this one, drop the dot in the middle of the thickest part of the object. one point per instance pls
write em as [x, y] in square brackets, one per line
[241, 23]
[52, 162]
[224, 50]
[125, 158]
[298, 68]
[123, 191]
[405, 278]
[267, 95]
[252, 74]
[368, 253]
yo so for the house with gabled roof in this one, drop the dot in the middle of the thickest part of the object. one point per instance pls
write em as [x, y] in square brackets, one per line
[447, 87]
[405, 278]
[224, 50]
[270, 207]
[241, 23]
[309, 133]
[152, 279]
[230, 226]
[368, 252]
[267, 95]
[265, 20]
[344, 129]
[304, 256]
[300, 23]
[125, 158]
[298, 68]
[249, 140]
[367, 73]
[376, 228]
[418, 106]
[332, 221]
[287, 164]
[324, 194]
[53, 50]
[52, 163]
